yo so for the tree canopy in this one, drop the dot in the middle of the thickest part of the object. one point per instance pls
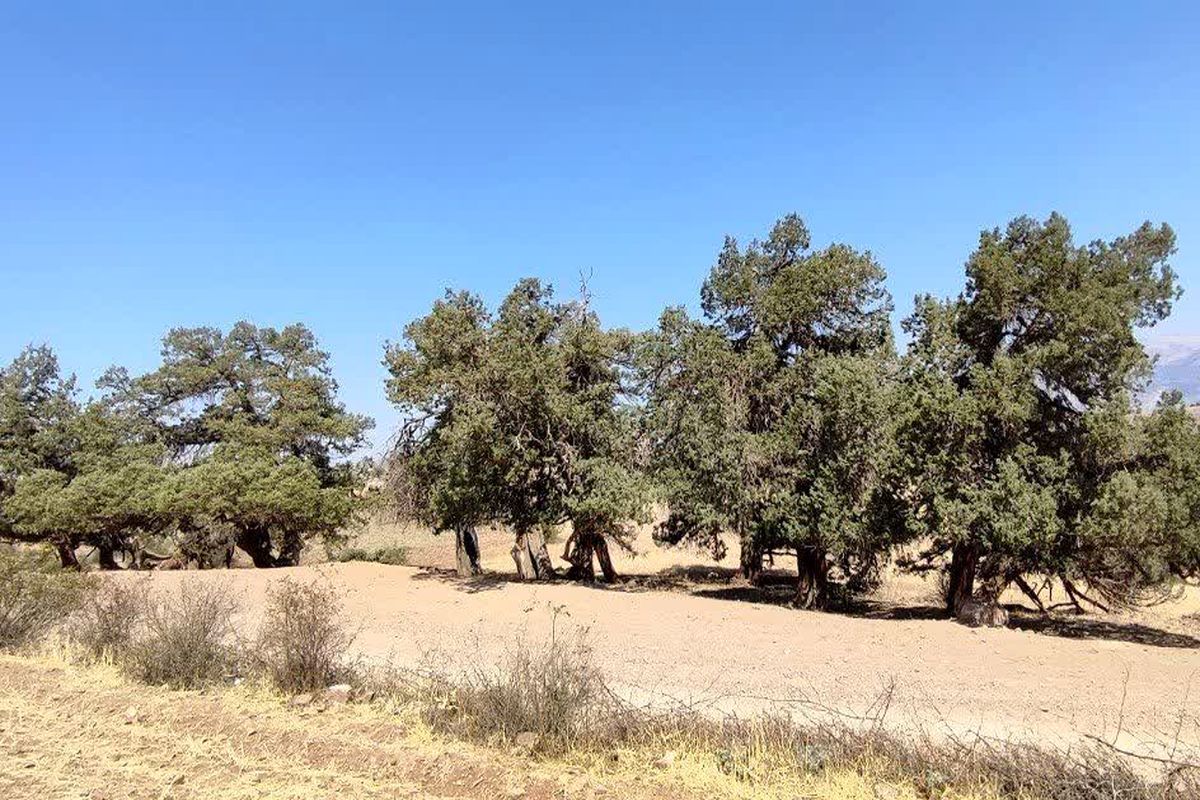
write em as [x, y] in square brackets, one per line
[770, 417]
[517, 419]
[1018, 427]
[237, 438]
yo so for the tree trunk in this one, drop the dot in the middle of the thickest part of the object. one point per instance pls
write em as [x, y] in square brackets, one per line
[66, 554]
[257, 544]
[585, 547]
[812, 583]
[961, 586]
[530, 556]
[600, 545]
[751, 560]
[466, 551]
[289, 550]
[578, 552]
[108, 560]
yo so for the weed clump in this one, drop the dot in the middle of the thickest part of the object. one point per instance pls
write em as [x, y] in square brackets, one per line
[106, 625]
[186, 640]
[301, 646]
[36, 596]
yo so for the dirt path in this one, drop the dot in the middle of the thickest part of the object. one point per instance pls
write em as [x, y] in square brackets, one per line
[728, 656]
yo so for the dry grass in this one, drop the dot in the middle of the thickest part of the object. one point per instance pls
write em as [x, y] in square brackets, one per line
[186, 639]
[35, 596]
[551, 702]
[72, 730]
[108, 620]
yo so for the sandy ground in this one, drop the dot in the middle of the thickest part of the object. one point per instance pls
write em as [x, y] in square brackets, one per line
[680, 637]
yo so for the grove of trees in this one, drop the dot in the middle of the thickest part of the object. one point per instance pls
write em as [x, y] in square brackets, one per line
[1005, 445]
[237, 439]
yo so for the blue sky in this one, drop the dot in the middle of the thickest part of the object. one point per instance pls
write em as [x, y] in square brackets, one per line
[340, 164]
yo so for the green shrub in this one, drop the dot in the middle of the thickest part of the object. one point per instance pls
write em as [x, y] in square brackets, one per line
[396, 555]
[302, 643]
[186, 640]
[35, 596]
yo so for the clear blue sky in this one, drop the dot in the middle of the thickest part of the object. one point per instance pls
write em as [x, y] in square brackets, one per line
[340, 164]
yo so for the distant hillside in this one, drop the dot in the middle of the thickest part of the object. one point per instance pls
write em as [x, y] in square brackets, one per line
[1178, 367]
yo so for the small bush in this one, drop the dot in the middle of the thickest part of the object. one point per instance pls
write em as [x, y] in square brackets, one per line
[302, 643]
[106, 624]
[551, 691]
[396, 556]
[35, 596]
[186, 641]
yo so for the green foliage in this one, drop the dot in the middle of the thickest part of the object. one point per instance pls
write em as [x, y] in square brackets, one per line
[518, 419]
[37, 408]
[395, 556]
[771, 419]
[236, 439]
[250, 424]
[1020, 448]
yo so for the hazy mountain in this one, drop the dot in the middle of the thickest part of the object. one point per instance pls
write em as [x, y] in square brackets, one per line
[1178, 366]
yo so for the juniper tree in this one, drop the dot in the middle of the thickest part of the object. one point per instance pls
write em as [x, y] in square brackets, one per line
[770, 417]
[252, 420]
[111, 495]
[517, 419]
[1018, 424]
[37, 407]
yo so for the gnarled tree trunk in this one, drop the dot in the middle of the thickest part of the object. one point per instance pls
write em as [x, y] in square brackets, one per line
[108, 560]
[530, 556]
[961, 587]
[587, 543]
[812, 581]
[466, 551]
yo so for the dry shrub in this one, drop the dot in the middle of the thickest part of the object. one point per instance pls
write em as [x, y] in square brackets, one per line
[36, 596]
[555, 697]
[107, 623]
[302, 643]
[551, 691]
[187, 639]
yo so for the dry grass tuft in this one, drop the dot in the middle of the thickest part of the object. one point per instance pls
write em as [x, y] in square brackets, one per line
[107, 622]
[36, 596]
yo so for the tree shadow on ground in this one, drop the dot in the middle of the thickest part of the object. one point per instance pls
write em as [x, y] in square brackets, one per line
[1089, 627]
[475, 584]
[777, 588]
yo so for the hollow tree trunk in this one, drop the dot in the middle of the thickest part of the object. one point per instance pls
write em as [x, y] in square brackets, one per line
[812, 579]
[961, 586]
[66, 554]
[257, 544]
[466, 551]
[751, 560]
[530, 555]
